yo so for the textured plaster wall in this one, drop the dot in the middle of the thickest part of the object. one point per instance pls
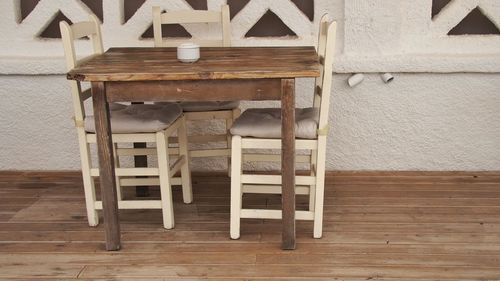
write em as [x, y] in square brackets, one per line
[440, 113]
[418, 122]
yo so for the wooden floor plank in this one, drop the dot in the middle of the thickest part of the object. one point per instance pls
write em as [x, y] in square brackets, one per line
[272, 271]
[268, 226]
[97, 258]
[378, 226]
[27, 270]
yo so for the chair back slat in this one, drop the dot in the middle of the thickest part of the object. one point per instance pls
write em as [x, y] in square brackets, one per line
[202, 43]
[326, 51]
[192, 17]
[70, 33]
[82, 29]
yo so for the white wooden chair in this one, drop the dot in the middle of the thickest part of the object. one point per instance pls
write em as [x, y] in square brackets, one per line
[261, 129]
[197, 111]
[129, 123]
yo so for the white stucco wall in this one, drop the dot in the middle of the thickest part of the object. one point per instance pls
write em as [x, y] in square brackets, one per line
[442, 112]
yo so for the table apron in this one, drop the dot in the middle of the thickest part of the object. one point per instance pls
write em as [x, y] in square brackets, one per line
[194, 90]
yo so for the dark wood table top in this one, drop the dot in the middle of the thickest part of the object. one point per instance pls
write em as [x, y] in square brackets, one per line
[153, 64]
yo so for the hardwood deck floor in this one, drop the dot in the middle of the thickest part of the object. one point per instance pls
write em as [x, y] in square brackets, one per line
[378, 226]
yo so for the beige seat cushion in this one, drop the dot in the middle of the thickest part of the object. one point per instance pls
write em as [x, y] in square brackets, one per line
[266, 123]
[139, 118]
[195, 106]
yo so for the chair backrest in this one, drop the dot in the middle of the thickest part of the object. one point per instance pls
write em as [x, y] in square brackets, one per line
[70, 33]
[192, 17]
[323, 87]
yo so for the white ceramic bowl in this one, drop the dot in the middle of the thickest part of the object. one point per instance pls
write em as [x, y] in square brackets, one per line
[188, 52]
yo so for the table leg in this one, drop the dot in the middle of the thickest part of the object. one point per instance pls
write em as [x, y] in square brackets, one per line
[288, 162]
[106, 166]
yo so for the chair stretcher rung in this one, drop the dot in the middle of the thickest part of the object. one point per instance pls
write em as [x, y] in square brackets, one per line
[255, 157]
[272, 189]
[273, 214]
[146, 181]
[133, 204]
[275, 179]
[129, 172]
[177, 165]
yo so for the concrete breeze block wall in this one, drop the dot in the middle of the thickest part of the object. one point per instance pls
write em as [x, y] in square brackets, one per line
[441, 112]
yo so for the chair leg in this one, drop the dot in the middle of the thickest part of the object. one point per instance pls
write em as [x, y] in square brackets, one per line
[88, 181]
[229, 123]
[320, 187]
[187, 190]
[312, 188]
[165, 185]
[119, 195]
[312, 197]
[236, 190]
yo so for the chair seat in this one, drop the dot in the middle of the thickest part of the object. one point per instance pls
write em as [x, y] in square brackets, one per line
[139, 118]
[195, 106]
[266, 123]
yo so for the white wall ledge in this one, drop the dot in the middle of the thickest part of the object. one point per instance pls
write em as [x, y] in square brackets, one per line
[13, 65]
[419, 63]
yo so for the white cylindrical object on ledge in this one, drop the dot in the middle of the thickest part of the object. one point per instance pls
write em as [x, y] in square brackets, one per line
[355, 79]
[387, 77]
[188, 52]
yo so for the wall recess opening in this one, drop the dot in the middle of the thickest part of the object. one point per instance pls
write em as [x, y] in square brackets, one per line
[26, 7]
[235, 6]
[475, 23]
[198, 4]
[438, 5]
[270, 25]
[131, 6]
[306, 6]
[96, 7]
[52, 30]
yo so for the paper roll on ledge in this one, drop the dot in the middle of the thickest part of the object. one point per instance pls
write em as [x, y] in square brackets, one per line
[355, 79]
[387, 78]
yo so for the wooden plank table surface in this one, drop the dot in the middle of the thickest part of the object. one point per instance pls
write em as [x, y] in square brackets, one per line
[221, 74]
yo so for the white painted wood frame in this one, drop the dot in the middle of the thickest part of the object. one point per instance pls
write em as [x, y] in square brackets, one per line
[312, 185]
[162, 175]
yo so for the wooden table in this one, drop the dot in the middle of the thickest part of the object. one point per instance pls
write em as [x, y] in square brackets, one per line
[222, 74]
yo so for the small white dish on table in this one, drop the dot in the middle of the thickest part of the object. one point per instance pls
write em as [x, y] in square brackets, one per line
[188, 52]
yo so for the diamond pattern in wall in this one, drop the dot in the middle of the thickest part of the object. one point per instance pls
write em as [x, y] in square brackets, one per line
[472, 17]
[270, 23]
[51, 28]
